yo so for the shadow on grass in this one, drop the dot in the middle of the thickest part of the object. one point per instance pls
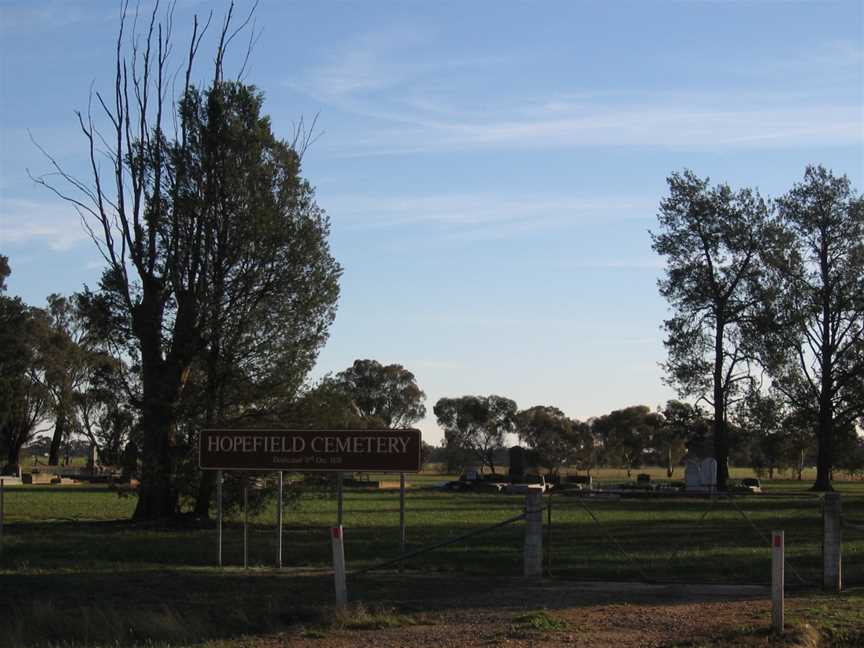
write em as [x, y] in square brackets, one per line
[131, 607]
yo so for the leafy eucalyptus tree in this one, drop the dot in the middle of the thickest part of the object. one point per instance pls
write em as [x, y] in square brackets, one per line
[24, 402]
[812, 338]
[628, 435]
[549, 433]
[192, 193]
[69, 357]
[4, 272]
[711, 238]
[761, 418]
[682, 423]
[477, 424]
[388, 392]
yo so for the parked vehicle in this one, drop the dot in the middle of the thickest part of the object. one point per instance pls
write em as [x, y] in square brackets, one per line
[472, 480]
[532, 483]
[751, 484]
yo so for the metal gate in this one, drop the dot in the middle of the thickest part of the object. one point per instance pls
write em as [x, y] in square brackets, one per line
[659, 538]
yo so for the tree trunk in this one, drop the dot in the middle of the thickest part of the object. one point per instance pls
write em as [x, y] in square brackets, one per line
[825, 437]
[721, 442]
[205, 493]
[669, 463]
[825, 431]
[14, 454]
[160, 379]
[56, 440]
[488, 459]
[157, 496]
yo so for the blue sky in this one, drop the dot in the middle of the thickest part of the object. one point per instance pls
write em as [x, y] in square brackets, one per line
[491, 169]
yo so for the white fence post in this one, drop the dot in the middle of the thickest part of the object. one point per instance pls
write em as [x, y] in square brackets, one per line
[339, 565]
[777, 576]
[533, 547]
[339, 498]
[832, 543]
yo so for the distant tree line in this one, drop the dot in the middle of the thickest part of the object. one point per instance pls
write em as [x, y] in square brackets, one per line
[763, 436]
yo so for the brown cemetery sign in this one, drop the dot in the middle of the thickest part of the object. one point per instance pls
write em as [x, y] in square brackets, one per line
[311, 450]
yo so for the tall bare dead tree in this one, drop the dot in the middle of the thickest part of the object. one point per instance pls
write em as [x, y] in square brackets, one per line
[154, 249]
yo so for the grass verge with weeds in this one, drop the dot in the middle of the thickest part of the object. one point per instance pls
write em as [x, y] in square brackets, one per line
[533, 625]
[358, 616]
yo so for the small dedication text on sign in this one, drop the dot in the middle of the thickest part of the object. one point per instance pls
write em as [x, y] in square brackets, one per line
[318, 450]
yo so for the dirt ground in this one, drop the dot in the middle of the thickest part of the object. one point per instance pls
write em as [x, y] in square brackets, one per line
[444, 612]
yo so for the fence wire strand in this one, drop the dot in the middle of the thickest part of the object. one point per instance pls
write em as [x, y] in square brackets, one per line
[767, 541]
[617, 544]
[848, 525]
[693, 528]
[425, 549]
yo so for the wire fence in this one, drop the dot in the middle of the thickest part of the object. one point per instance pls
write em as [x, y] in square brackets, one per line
[852, 530]
[720, 538]
[723, 538]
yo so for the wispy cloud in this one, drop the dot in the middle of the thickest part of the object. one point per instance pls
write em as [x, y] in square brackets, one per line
[682, 128]
[378, 61]
[26, 221]
[385, 80]
[480, 214]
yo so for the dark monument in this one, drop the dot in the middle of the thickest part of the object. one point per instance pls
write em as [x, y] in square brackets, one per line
[517, 464]
[129, 461]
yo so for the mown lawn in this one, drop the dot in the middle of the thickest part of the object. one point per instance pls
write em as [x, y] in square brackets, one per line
[684, 539]
[72, 549]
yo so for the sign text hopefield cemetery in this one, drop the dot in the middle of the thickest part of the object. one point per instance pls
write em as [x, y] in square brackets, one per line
[304, 450]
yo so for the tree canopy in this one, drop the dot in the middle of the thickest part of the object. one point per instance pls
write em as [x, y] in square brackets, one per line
[549, 434]
[200, 214]
[477, 424]
[387, 392]
[712, 238]
[812, 335]
[24, 401]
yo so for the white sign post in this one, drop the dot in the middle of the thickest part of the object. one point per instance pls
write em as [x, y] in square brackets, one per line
[245, 523]
[279, 517]
[339, 565]
[219, 516]
[777, 577]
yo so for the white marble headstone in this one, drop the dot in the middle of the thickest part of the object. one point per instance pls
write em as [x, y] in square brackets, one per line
[693, 474]
[709, 472]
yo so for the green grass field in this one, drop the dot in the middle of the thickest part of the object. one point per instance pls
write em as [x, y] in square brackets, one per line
[72, 548]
